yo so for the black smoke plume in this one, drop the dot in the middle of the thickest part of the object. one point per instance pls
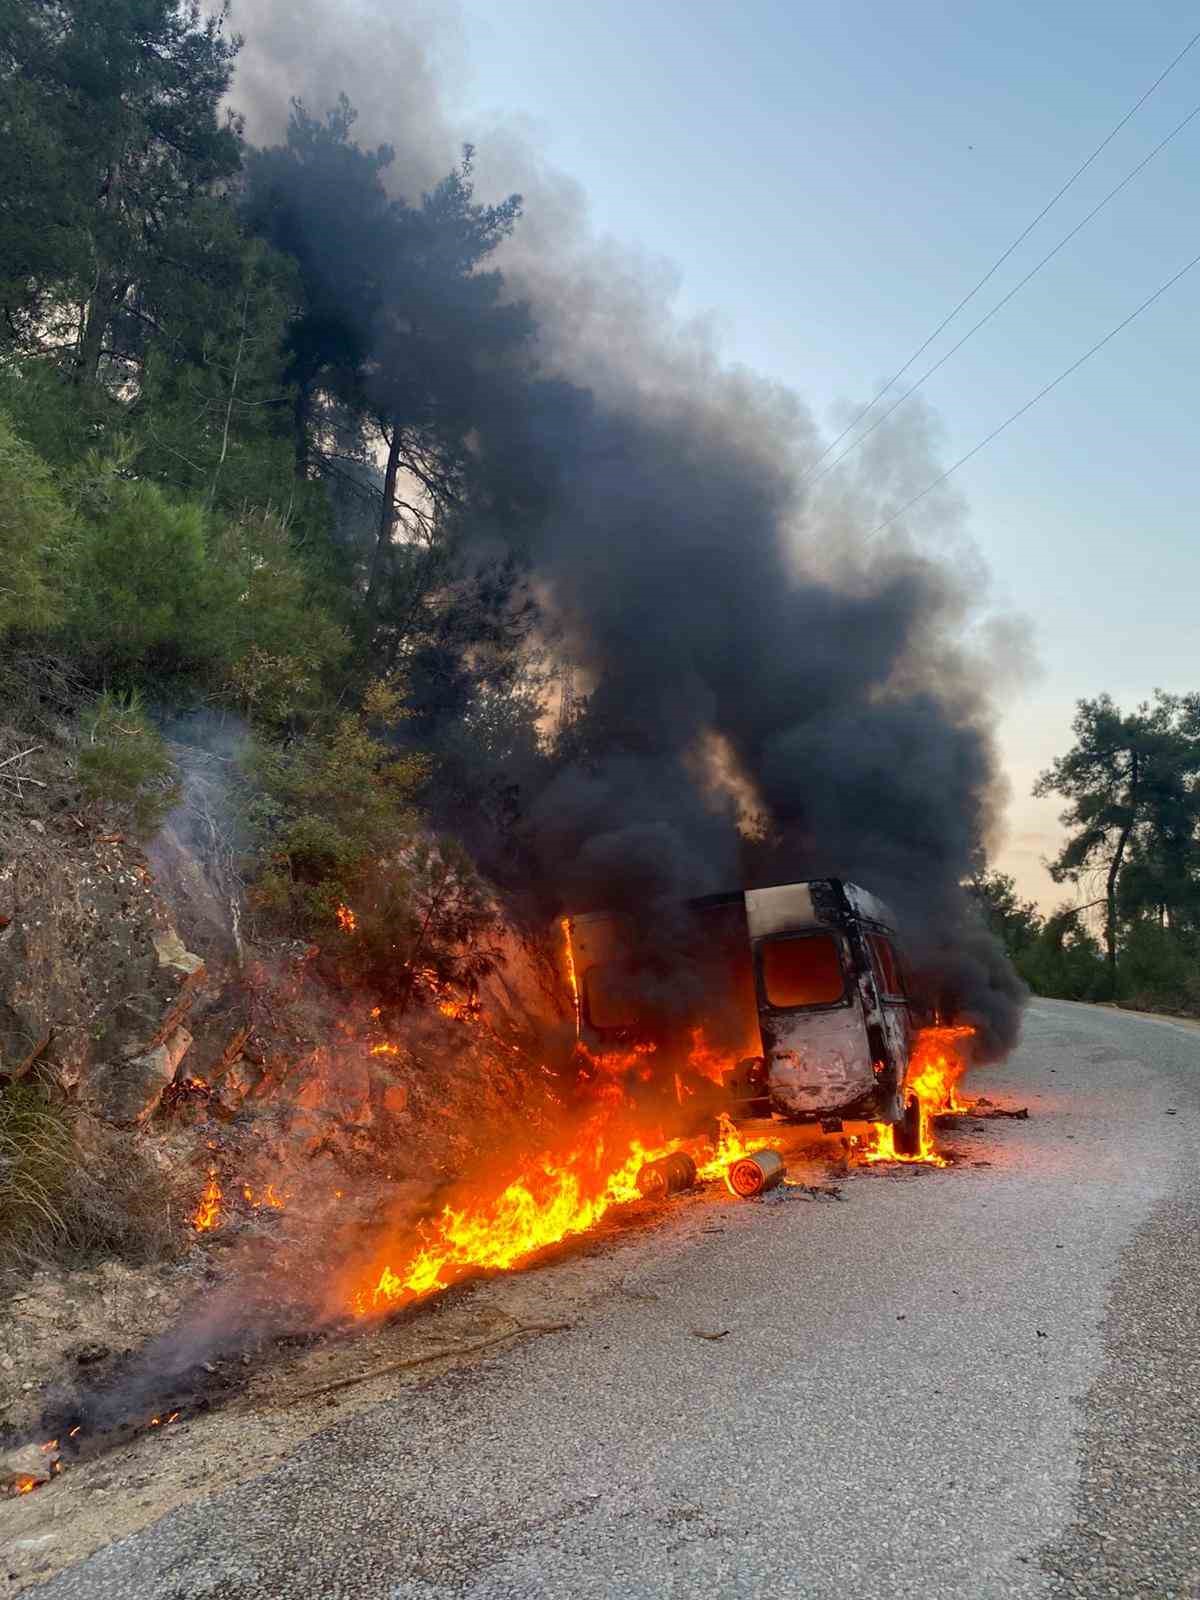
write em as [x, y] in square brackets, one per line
[745, 645]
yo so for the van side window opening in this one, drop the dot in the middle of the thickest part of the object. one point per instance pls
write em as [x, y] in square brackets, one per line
[724, 967]
[804, 971]
[887, 968]
[606, 998]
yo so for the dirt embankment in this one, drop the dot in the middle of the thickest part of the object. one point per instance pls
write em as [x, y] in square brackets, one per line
[155, 1053]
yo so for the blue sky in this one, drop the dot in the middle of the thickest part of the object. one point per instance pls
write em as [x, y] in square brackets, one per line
[832, 179]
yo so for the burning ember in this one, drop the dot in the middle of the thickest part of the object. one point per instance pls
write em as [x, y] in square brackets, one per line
[552, 1200]
[20, 1481]
[346, 919]
[443, 996]
[208, 1212]
[938, 1062]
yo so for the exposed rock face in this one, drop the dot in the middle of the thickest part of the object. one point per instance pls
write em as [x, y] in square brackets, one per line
[168, 947]
[98, 987]
[127, 1092]
[94, 979]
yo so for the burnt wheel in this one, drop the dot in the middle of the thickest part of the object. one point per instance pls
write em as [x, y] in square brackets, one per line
[906, 1134]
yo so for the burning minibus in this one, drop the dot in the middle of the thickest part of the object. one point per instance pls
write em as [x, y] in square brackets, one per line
[798, 993]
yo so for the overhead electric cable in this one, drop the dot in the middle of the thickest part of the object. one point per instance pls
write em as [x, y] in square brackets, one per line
[1000, 304]
[1040, 395]
[1020, 239]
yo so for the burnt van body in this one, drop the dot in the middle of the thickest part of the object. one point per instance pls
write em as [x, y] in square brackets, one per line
[811, 988]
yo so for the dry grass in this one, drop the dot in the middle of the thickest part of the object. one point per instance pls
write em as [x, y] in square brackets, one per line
[36, 1148]
[73, 1191]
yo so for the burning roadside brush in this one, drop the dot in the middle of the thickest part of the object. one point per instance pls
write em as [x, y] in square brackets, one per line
[552, 1199]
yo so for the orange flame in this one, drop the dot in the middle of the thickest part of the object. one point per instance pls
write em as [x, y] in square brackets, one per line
[460, 1010]
[28, 1482]
[606, 1072]
[884, 1148]
[708, 1063]
[347, 921]
[267, 1197]
[208, 1212]
[550, 1201]
[553, 1197]
[938, 1062]
[730, 1147]
[572, 979]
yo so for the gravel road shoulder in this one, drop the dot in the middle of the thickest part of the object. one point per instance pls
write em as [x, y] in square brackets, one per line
[1136, 1523]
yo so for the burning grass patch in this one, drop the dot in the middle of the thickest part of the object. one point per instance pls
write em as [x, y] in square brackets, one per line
[494, 1225]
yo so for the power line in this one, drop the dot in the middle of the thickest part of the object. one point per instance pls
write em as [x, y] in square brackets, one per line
[1040, 395]
[1000, 304]
[1000, 260]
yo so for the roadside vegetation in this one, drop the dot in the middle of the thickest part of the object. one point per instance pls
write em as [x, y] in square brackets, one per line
[254, 419]
[71, 1189]
[1132, 852]
[252, 405]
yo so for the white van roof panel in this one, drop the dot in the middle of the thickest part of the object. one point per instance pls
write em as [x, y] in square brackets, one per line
[868, 905]
[789, 907]
[780, 909]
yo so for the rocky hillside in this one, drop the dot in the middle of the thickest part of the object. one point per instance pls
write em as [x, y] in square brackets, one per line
[164, 1072]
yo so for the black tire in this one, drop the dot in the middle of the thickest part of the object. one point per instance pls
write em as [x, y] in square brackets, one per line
[906, 1134]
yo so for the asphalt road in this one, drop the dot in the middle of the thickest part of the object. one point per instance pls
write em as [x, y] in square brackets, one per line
[972, 1383]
